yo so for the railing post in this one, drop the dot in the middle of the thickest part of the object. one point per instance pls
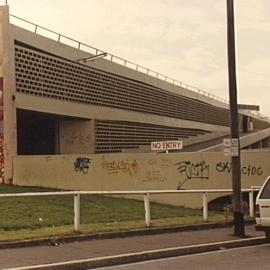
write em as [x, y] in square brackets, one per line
[147, 209]
[76, 212]
[251, 204]
[205, 207]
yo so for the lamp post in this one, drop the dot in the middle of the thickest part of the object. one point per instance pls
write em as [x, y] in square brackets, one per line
[238, 216]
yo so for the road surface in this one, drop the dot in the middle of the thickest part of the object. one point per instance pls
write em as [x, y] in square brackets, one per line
[247, 258]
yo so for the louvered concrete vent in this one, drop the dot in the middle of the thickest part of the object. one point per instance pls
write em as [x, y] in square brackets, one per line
[41, 74]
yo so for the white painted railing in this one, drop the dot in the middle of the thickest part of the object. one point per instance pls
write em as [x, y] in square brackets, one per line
[146, 194]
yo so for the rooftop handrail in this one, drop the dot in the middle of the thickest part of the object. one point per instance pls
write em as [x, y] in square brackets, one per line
[124, 62]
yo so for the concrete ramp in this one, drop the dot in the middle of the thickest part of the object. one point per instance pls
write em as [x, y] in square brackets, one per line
[256, 140]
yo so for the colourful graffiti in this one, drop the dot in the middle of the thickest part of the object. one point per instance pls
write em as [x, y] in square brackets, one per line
[121, 166]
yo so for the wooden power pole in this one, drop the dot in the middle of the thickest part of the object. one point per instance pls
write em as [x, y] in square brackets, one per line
[239, 226]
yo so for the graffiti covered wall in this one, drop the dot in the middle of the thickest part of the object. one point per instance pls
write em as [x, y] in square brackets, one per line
[1, 97]
[8, 137]
[141, 172]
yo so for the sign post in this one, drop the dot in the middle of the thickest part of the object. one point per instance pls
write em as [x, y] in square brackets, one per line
[238, 218]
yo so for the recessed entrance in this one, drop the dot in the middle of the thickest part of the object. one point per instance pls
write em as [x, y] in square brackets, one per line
[36, 133]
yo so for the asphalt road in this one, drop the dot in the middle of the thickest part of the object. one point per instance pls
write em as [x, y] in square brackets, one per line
[247, 258]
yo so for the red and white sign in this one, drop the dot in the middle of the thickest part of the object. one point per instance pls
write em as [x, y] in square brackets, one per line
[167, 145]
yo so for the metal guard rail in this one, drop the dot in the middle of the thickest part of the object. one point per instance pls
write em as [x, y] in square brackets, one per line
[119, 60]
[146, 194]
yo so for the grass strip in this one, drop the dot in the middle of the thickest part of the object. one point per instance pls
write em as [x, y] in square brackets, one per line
[31, 218]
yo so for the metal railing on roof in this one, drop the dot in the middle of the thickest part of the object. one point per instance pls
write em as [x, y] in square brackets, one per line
[37, 29]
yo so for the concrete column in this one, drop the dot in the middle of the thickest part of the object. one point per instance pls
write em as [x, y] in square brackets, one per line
[76, 136]
[93, 136]
[9, 93]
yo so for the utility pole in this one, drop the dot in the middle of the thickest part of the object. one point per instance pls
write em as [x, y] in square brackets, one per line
[238, 216]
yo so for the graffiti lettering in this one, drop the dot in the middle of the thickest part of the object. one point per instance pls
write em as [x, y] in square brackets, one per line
[224, 167]
[82, 164]
[154, 176]
[74, 138]
[193, 170]
[198, 170]
[166, 162]
[124, 166]
[249, 170]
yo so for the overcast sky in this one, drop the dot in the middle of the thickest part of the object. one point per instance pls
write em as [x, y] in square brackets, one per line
[183, 39]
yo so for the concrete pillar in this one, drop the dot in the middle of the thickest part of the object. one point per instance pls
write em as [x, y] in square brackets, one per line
[93, 136]
[9, 93]
[76, 136]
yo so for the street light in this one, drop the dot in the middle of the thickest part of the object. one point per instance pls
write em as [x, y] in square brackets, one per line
[238, 216]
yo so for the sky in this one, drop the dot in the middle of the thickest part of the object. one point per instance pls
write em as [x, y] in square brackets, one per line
[183, 39]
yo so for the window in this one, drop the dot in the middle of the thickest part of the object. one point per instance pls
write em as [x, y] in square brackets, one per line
[266, 191]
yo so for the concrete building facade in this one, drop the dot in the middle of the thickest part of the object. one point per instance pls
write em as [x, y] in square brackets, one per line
[54, 102]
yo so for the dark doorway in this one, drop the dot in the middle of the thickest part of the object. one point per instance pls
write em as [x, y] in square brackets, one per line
[36, 133]
[245, 123]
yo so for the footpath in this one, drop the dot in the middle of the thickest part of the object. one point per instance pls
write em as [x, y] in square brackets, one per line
[117, 250]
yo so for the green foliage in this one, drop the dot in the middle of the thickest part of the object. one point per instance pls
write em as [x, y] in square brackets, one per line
[54, 215]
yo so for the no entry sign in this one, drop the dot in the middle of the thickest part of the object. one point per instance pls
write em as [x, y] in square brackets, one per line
[167, 145]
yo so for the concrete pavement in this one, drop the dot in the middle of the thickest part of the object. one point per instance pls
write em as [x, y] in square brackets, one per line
[30, 256]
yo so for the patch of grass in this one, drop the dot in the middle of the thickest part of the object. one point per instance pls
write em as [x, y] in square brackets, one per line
[60, 231]
[50, 216]
[7, 189]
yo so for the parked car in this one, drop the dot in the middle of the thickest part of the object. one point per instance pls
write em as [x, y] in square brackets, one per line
[262, 211]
